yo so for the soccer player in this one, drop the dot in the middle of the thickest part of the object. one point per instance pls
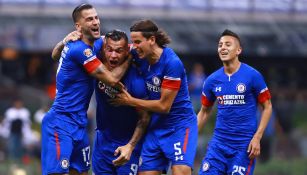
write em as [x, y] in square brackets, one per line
[65, 144]
[172, 133]
[238, 89]
[117, 145]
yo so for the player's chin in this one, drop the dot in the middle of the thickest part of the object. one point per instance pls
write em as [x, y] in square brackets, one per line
[96, 35]
[224, 57]
[141, 55]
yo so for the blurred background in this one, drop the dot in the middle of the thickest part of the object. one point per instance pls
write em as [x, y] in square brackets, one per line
[274, 39]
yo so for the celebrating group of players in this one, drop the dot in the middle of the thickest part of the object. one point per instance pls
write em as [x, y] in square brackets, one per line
[145, 119]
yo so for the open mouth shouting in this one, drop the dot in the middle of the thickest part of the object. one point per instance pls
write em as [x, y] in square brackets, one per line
[95, 31]
[113, 63]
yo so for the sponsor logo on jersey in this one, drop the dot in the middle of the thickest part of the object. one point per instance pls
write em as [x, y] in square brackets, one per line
[241, 88]
[88, 52]
[218, 89]
[64, 163]
[231, 99]
[152, 87]
[108, 90]
[206, 166]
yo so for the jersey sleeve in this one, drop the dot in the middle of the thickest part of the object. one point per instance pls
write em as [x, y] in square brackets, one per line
[260, 88]
[207, 96]
[86, 57]
[172, 75]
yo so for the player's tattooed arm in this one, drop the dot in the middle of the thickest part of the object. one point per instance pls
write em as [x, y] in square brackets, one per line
[106, 76]
[126, 150]
[56, 52]
[141, 127]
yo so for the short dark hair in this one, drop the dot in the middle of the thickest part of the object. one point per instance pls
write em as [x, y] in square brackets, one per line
[228, 32]
[148, 29]
[116, 35]
[77, 11]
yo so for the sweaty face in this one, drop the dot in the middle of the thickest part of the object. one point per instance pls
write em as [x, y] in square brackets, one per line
[89, 24]
[228, 48]
[115, 52]
[141, 44]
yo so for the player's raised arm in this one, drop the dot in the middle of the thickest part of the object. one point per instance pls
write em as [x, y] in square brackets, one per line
[111, 78]
[56, 52]
[94, 67]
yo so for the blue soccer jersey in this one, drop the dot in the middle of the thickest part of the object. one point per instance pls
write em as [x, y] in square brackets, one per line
[116, 125]
[172, 137]
[237, 97]
[168, 73]
[74, 86]
[65, 143]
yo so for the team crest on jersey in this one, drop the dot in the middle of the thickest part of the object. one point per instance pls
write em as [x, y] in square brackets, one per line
[65, 163]
[220, 100]
[88, 52]
[241, 88]
[156, 81]
[206, 166]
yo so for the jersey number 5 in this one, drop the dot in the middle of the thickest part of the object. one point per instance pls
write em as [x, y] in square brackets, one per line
[178, 152]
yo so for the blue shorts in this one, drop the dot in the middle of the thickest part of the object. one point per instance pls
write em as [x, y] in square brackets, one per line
[175, 146]
[221, 159]
[103, 155]
[65, 145]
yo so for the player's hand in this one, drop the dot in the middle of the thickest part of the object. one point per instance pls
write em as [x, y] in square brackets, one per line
[125, 154]
[123, 98]
[254, 148]
[119, 86]
[73, 36]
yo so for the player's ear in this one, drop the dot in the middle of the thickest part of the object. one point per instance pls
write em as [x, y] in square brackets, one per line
[152, 40]
[239, 51]
[78, 27]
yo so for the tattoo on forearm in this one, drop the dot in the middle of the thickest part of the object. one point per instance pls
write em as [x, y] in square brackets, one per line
[99, 70]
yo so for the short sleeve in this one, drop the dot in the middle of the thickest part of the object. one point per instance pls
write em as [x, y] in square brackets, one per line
[207, 96]
[260, 88]
[86, 57]
[172, 74]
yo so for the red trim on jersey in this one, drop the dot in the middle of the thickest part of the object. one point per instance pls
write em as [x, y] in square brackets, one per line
[186, 139]
[92, 65]
[57, 145]
[205, 101]
[249, 166]
[171, 84]
[264, 96]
